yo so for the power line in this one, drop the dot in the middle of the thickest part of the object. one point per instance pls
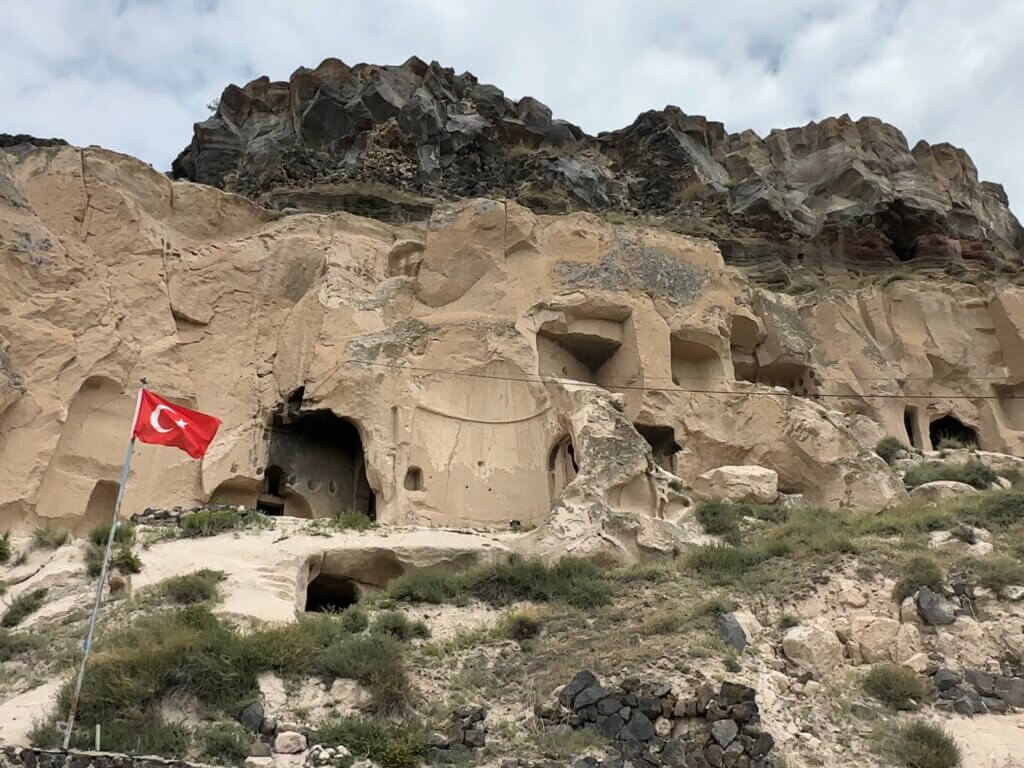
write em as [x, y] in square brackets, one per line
[685, 390]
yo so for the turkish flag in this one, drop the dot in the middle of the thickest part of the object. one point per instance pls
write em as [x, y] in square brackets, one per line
[162, 422]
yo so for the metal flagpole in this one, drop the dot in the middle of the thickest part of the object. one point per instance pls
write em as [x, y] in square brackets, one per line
[87, 646]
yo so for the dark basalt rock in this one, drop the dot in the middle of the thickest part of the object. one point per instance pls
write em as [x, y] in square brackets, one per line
[841, 192]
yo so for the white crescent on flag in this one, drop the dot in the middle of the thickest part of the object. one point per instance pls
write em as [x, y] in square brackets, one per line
[154, 418]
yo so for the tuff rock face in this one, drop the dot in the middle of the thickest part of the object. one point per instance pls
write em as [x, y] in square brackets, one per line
[478, 364]
[803, 204]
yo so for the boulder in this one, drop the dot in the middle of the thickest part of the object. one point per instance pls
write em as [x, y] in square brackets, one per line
[738, 483]
[939, 490]
[289, 743]
[875, 637]
[730, 631]
[934, 609]
[813, 648]
[251, 717]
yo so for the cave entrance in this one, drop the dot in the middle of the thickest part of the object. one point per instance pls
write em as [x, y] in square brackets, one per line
[562, 466]
[321, 454]
[330, 594]
[100, 508]
[662, 440]
[912, 427]
[949, 432]
[799, 379]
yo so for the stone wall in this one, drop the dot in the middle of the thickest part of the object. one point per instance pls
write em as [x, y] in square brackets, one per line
[650, 724]
[34, 757]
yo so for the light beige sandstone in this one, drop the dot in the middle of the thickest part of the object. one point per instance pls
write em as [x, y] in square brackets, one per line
[812, 647]
[454, 363]
[743, 483]
[939, 490]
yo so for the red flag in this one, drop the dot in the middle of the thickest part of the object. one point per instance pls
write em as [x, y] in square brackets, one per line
[162, 422]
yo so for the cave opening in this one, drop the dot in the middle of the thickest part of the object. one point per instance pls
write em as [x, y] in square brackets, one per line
[323, 454]
[562, 466]
[330, 594]
[911, 426]
[662, 440]
[949, 432]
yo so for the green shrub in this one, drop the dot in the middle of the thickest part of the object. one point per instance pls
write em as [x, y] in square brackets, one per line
[5, 546]
[995, 571]
[353, 520]
[719, 518]
[375, 661]
[392, 745]
[973, 473]
[947, 443]
[522, 625]
[664, 623]
[225, 744]
[720, 565]
[125, 534]
[93, 557]
[353, 619]
[45, 537]
[918, 572]
[788, 621]
[919, 745]
[137, 735]
[895, 686]
[15, 643]
[571, 580]
[126, 561]
[197, 587]
[211, 522]
[994, 510]
[22, 606]
[397, 625]
[889, 448]
[429, 585]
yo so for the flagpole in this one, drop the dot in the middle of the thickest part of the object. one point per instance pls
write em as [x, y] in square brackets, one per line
[87, 646]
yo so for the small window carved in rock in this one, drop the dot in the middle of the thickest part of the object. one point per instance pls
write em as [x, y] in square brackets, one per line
[414, 479]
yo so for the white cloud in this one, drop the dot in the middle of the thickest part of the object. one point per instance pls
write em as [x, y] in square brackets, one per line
[134, 74]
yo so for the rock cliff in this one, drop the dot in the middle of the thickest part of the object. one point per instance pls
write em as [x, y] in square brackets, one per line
[802, 204]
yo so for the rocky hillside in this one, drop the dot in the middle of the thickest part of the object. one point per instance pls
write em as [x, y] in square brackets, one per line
[390, 141]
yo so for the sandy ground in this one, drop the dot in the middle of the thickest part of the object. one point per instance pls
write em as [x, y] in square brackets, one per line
[19, 714]
[989, 741]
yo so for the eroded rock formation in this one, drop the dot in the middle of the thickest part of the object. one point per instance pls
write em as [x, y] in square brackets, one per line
[832, 197]
[475, 362]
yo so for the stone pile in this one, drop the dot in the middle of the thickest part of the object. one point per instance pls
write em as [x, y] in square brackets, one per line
[649, 724]
[465, 733]
[977, 693]
[175, 515]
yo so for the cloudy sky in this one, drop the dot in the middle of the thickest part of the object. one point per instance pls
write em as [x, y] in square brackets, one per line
[133, 75]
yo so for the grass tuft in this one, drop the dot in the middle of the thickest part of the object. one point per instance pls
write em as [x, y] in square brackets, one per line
[918, 745]
[918, 572]
[190, 588]
[576, 582]
[212, 522]
[374, 661]
[397, 625]
[889, 448]
[353, 619]
[15, 643]
[895, 686]
[391, 745]
[46, 537]
[995, 571]
[353, 520]
[225, 744]
[22, 606]
[974, 473]
[125, 534]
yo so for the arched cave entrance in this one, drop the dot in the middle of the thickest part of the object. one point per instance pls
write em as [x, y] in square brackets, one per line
[949, 429]
[100, 508]
[329, 594]
[320, 459]
[662, 440]
[562, 466]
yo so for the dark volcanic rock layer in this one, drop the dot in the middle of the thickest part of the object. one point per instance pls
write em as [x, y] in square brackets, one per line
[836, 196]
